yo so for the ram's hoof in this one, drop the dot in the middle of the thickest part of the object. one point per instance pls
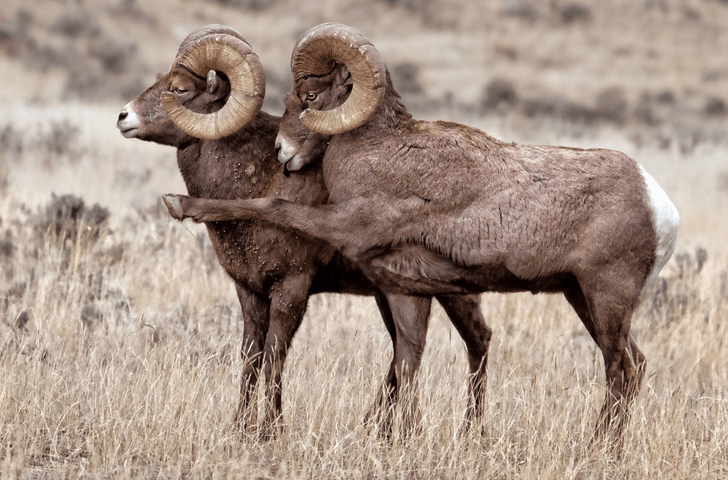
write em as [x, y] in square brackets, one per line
[174, 206]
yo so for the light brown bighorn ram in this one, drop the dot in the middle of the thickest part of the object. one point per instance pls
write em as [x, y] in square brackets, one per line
[208, 107]
[428, 208]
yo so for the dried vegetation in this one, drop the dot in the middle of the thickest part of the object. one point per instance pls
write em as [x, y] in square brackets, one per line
[119, 333]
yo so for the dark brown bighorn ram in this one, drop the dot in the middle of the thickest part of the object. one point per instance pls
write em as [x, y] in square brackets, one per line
[436, 207]
[208, 107]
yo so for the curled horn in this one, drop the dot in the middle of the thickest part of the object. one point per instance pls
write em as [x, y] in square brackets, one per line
[316, 54]
[222, 49]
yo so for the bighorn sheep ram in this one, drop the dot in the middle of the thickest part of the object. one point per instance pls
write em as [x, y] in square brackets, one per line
[208, 107]
[436, 207]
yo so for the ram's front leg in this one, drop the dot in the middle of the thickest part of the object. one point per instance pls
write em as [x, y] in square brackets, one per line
[255, 310]
[354, 227]
[203, 210]
[411, 317]
[288, 305]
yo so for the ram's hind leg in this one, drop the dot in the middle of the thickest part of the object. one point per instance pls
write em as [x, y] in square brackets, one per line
[605, 306]
[640, 362]
[255, 327]
[467, 318]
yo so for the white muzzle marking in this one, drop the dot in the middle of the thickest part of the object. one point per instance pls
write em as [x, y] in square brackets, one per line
[287, 154]
[129, 125]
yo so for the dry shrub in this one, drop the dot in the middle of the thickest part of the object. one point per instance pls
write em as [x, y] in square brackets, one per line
[670, 298]
[406, 76]
[497, 94]
[522, 9]
[92, 58]
[574, 12]
[4, 182]
[53, 245]
[715, 107]
[561, 108]
[50, 143]
[11, 141]
[415, 6]
[611, 105]
[68, 218]
[61, 138]
[645, 111]
[76, 23]
[7, 247]
[255, 5]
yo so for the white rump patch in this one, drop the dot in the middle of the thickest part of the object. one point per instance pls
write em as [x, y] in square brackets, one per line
[666, 220]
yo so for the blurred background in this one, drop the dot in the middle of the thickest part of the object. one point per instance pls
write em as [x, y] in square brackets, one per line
[649, 77]
[87, 250]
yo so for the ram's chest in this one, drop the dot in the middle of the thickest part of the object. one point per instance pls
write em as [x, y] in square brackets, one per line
[256, 254]
[242, 251]
[215, 170]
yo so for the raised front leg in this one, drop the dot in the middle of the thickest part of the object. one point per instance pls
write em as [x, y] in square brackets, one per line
[354, 227]
[255, 327]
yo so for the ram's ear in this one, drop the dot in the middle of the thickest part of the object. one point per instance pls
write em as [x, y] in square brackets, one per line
[344, 77]
[214, 83]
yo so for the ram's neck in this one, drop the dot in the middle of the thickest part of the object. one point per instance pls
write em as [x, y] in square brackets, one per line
[242, 165]
[392, 113]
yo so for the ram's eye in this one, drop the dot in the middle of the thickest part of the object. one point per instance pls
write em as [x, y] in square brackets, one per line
[179, 90]
[311, 96]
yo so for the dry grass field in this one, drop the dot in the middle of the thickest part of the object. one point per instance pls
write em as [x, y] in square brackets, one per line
[120, 333]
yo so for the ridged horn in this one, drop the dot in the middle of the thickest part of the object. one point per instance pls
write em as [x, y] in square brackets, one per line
[316, 54]
[219, 48]
[211, 29]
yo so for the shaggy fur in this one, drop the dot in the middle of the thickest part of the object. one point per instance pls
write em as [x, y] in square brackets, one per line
[275, 270]
[436, 207]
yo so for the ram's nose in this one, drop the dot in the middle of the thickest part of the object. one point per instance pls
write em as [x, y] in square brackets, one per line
[282, 149]
[128, 122]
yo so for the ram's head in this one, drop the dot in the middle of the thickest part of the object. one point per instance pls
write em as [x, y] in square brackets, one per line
[339, 82]
[215, 87]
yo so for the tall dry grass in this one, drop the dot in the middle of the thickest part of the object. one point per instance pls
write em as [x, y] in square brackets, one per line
[120, 335]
